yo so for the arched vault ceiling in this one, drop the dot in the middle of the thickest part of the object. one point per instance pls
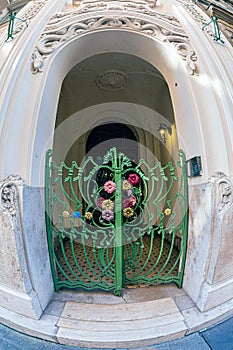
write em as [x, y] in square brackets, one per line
[114, 77]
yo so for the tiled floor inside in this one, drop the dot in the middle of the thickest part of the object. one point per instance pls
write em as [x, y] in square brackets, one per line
[145, 258]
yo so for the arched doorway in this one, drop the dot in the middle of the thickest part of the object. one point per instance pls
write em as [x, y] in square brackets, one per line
[104, 136]
[119, 216]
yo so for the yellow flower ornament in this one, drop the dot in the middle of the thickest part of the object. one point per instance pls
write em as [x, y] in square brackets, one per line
[167, 211]
[126, 185]
[88, 215]
[108, 204]
[128, 212]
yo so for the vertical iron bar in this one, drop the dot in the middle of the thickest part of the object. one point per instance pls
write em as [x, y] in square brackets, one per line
[185, 217]
[48, 218]
[118, 228]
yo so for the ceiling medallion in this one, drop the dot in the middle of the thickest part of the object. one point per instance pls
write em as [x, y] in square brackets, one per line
[112, 80]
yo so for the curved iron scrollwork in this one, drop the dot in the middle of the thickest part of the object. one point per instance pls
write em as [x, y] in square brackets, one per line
[109, 224]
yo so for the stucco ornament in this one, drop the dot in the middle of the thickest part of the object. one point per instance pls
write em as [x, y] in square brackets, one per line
[133, 16]
[31, 12]
[9, 195]
[37, 62]
[85, 4]
[224, 188]
[112, 80]
[194, 10]
[198, 15]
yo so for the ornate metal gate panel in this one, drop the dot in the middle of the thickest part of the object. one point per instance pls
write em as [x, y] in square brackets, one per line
[117, 223]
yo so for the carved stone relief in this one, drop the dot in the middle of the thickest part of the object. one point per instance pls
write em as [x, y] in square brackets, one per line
[29, 15]
[64, 26]
[220, 265]
[222, 259]
[197, 14]
[224, 190]
[9, 195]
[112, 80]
[139, 3]
[193, 10]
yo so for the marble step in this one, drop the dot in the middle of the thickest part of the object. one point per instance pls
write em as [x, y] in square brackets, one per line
[120, 325]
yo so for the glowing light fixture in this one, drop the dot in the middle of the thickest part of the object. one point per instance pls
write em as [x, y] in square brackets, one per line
[163, 130]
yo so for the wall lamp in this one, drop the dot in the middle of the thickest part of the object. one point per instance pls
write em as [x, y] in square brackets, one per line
[163, 130]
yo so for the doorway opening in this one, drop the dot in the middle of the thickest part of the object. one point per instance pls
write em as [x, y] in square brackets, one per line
[114, 216]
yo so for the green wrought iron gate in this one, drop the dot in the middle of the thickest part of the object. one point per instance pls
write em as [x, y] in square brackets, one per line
[116, 224]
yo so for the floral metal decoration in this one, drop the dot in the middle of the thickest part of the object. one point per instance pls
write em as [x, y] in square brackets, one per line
[167, 211]
[100, 201]
[126, 185]
[128, 212]
[133, 179]
[88, 215]
[108, 204]
[110, 186]
[65, 214]
[108, 215]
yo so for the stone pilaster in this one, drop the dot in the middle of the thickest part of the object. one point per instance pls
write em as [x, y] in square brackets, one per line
[26, 283]
[209, 274]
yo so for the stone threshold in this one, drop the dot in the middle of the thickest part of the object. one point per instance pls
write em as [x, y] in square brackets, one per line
[141, 317]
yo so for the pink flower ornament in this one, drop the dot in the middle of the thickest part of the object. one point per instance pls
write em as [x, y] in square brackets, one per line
[110, 186]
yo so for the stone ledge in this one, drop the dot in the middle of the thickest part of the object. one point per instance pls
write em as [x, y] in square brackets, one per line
[215, 294]
[148, 331]
[120, 325]
[164, 325]
[197, 320]
[19, 302]
[115, 340]
[45, 328]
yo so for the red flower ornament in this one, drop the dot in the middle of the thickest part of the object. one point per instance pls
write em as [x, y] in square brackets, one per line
[128, 202]
[134, 179]
[100, 201]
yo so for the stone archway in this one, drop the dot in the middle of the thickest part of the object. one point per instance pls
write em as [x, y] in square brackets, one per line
[96, 109]
[115, 41]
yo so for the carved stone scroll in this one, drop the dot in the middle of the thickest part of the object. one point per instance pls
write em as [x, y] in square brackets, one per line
[223, 190]
[9, 195]
[62, 27]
